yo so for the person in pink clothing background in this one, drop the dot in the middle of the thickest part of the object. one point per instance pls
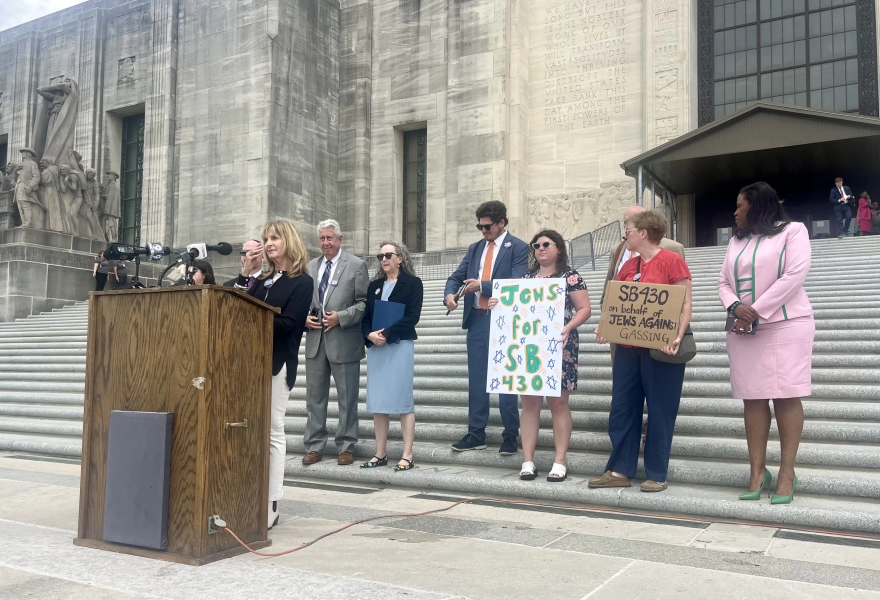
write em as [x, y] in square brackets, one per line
[762, 284]
[864, 214]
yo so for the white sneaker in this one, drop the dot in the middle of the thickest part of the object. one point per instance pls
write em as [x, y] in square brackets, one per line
[274, 514]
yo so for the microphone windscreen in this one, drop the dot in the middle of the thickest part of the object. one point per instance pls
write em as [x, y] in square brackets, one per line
[224, 248]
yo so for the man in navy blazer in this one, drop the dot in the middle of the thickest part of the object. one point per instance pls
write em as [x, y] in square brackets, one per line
[841, 197]
[498, 255]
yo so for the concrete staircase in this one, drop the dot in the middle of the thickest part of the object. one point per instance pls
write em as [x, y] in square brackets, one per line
[43, 362]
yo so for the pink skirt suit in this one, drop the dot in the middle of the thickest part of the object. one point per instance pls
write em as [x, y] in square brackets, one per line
[768, 274]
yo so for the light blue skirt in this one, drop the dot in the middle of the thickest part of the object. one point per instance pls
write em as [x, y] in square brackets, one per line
[390, 372]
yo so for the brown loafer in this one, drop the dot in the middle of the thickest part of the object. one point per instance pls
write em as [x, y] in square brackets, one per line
[653, 486]
[609, 481]
[346, 458]
[311, 458]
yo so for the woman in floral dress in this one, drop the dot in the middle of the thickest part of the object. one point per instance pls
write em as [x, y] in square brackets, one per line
[549, 258]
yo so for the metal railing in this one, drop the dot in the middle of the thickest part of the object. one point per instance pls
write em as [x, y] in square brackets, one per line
[586, 248]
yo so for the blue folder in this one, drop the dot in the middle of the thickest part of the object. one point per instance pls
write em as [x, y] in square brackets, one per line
[386, 314]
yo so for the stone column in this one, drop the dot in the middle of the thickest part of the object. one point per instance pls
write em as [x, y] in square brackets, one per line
[157, 217]
[22, 103]
[88, 123]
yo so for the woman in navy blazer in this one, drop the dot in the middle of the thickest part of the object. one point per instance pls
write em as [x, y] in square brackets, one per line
[391, 353]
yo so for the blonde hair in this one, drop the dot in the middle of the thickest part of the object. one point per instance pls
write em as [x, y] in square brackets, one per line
[293, 247]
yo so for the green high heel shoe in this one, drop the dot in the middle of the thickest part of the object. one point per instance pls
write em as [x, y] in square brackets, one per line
[774, 499]
[757, 495]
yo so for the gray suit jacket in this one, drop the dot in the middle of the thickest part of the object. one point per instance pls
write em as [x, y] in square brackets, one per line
[347, 295]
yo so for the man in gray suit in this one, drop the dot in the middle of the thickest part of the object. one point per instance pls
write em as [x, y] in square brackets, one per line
[334, 344]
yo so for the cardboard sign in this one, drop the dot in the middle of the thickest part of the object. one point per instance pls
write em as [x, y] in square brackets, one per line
[645, 315]
[525, 338]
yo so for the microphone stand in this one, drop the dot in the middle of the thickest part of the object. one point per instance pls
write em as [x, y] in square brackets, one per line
[135, 281]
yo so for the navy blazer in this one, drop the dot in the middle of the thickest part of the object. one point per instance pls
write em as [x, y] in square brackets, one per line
[511, 263]
[408, 291]
[834, 196]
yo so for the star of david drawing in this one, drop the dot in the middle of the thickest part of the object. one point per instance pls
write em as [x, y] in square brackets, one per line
[503, 339]
[544, 329]
[497, 284]
[495, 383]
[516, 308]
[522, 340]
[551, 312]
[560, 291]
[499, 356]
[551, 345]
[551, 363]
[533, 308]
[519, 359]
[500, 322]
[551, 381]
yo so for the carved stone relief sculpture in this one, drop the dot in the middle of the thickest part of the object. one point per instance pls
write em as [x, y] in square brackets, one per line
[50, 195]
[565, 212]
[111, 207]
[27, 196]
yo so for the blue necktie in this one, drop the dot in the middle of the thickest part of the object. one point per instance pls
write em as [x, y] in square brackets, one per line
[325, 279]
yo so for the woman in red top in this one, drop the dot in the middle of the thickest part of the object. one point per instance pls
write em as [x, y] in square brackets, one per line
[637, 376]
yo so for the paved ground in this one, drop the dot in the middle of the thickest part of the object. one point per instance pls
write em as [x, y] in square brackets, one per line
[476, 551]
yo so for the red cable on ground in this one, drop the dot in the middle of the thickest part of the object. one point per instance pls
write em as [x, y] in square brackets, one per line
[526, 502]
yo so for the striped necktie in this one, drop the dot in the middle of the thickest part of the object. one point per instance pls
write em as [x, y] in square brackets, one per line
[325, 279]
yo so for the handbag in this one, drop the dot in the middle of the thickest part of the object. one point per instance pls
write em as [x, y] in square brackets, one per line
[687, 349]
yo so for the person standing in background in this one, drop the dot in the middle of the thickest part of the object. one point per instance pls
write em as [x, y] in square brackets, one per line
[498, 255]
[334, 344]
[203, 273]
[286, 286]
[840, 197]
[762, 286]
[391, 352]
[864, 214]
[99, 272]
[248, 246]
[120, 272]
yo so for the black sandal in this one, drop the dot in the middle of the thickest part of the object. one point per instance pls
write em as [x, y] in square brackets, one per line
[410, 465]
[379, 462]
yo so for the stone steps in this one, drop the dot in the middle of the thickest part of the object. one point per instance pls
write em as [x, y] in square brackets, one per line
[42, 367]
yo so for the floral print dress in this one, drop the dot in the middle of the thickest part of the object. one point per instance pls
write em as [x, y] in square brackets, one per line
[574, 283]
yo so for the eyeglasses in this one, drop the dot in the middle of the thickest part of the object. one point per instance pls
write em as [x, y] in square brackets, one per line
[386, 256]
[626, 232]
[538, 246]
[483, 227]
[243, 252]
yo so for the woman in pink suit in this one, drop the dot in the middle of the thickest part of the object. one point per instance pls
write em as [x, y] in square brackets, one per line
[762, 286]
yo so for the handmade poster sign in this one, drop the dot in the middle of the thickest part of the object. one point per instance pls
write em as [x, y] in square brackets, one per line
[525, 340]
[645, 315]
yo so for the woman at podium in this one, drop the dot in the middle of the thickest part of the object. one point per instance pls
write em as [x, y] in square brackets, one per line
[394, 305]
[288, 286]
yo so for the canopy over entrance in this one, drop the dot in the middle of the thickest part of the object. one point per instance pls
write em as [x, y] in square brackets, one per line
[792, 148]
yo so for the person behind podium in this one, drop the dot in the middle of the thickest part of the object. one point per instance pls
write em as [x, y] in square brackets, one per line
[288, 286]
[203, 273]
[637, 377]
[390, 350]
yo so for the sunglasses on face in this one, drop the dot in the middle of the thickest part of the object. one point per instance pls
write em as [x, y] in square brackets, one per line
[483, 227]
[538, 246]
[386, 256]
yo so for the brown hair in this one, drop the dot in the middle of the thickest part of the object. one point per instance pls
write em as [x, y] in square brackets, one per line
[651, 221]
[836, 179]
[561, 258]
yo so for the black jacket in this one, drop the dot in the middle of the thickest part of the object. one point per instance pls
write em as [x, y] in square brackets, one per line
[293, 296]
[409, 291]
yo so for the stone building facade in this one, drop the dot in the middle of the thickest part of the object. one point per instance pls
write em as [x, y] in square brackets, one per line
[396, 117]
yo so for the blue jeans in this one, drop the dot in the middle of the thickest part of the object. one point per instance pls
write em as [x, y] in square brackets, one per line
[844, 216]
[478, 397]
[638, 377]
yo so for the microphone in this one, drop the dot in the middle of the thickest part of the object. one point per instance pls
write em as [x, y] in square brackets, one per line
[223, 248]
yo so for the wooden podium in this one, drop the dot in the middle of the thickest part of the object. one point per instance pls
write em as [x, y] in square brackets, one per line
[203, 353]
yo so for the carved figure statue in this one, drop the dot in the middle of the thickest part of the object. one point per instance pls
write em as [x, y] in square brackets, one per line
[50, 195]
[71, 199]
[55, 119]
[9, 180]
[89, 210]
[112, 208]
[27, 197]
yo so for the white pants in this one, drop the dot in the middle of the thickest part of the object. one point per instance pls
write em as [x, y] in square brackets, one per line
[277, 439]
